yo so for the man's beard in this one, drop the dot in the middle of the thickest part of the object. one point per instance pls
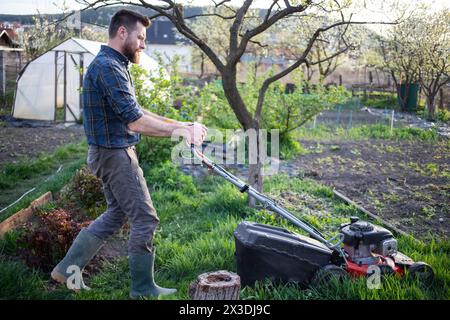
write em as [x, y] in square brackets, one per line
[132, 55]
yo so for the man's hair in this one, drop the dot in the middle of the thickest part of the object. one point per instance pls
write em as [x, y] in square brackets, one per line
[127, 19]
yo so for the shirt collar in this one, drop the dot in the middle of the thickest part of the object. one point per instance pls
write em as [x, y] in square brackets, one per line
[116, 54]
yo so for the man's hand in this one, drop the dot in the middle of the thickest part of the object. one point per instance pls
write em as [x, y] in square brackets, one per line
[196, 133]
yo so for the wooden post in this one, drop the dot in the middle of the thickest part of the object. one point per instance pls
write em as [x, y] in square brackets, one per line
[217, 285]
[2, 72]
[65, 87]
[350, 121]
[392, 121]
[56, 84]
[80, 106]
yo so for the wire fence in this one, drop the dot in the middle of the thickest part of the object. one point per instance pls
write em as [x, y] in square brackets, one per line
[356, 113]
[353, 114]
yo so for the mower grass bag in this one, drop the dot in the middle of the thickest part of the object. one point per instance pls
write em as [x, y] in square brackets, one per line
[264, 251]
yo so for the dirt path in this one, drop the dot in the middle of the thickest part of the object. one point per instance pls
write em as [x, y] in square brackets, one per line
[406, 183]
[18, 143]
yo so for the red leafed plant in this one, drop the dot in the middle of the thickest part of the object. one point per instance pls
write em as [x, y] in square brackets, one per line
[46, 241]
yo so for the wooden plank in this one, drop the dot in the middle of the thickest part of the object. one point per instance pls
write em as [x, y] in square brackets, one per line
[370, 214]
[23, 215]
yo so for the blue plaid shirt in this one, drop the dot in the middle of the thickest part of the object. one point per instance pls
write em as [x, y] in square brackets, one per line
[109, 101]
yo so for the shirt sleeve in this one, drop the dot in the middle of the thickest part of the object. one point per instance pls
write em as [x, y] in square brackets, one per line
[119, 93]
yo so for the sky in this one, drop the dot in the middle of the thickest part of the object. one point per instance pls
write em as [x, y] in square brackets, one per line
[48, 6]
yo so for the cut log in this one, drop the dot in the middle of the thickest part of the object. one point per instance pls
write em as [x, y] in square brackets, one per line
[217, 285]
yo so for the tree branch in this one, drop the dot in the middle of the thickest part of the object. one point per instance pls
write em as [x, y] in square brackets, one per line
[211, 15]
[269, 11]
[329, 57]
[234, 30]
[234, 58]
[220, 3]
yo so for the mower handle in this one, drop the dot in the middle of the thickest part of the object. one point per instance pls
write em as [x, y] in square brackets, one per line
[267, 202]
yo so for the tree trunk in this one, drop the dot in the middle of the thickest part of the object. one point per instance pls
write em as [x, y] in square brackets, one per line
[256, 159]
[431, 105]
[218, 285]
[248, 123]
[235, 99]
[402, 99]
[202, 66]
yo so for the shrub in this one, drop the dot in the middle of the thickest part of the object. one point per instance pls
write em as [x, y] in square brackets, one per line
[85, 190]
[289, 148]
[154, 151]
[444, 115]
[168, 176]
[382, 101]
[45, 242]
[163, 92]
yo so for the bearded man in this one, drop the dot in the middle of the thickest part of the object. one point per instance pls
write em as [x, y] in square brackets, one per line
[113, 122]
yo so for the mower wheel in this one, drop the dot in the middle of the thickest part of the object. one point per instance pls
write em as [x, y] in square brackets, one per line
[326, 274]
[422, 271]
[386, 270]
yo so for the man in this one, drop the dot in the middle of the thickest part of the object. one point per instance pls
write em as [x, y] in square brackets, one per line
[113, 122]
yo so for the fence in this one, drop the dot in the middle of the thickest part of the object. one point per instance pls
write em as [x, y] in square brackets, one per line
[11, 63]
[351, 114]
[355, 114]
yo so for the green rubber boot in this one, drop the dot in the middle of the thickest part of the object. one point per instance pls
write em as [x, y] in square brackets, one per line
[83, 249]
[142, 277]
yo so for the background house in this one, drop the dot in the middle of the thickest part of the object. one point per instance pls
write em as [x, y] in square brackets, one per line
[11, 58]
[162, 41]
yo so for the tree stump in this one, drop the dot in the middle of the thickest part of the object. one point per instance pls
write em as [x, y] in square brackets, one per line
[217, 285]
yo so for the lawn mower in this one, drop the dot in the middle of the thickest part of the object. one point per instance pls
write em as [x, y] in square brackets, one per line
[360, 249]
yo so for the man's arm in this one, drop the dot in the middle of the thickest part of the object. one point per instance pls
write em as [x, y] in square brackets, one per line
[123, 102]
[167, 120]
[150, 125]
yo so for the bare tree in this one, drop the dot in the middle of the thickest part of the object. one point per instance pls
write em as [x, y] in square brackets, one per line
[434, 57]
[400, 61]
[244, 29]
[323, 49]
[417, 51]
[42, 36]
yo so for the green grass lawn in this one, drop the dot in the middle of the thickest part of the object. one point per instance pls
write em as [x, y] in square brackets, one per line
[198, 217]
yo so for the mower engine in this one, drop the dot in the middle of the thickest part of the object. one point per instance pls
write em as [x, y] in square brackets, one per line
[365, 242]
[366, 245]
